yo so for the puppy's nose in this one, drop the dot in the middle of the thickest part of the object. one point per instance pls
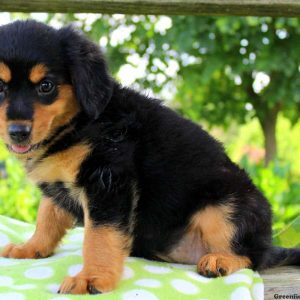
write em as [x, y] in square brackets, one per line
[19, 133]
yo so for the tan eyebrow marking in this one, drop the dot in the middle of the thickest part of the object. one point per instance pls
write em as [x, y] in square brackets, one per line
[37, 73]
[5, 73]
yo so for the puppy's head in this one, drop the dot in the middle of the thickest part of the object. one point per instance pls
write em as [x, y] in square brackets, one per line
[47, 77]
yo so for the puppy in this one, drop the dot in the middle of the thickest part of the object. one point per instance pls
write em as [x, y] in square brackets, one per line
[143, 180]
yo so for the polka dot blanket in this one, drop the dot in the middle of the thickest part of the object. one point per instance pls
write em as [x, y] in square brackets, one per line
[142, 279]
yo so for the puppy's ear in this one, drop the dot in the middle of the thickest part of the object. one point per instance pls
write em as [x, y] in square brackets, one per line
[88, 71]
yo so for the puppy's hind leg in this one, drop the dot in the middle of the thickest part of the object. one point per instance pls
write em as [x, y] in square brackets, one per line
[217, 231]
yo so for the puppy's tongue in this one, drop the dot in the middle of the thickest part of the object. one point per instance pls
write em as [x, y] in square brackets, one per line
[20, 149]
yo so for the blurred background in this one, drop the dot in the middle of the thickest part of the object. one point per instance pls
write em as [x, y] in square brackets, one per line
[236, 76]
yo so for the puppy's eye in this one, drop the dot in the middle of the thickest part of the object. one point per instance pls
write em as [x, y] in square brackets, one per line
[46, 87]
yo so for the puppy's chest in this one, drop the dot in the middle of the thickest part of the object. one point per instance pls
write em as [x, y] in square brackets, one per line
[64, 195]
[62, 166]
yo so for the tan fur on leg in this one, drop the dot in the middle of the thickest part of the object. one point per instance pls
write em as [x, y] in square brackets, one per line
[104, 251]
[218, 231]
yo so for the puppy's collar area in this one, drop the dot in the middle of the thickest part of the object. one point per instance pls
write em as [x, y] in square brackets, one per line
[22, 149]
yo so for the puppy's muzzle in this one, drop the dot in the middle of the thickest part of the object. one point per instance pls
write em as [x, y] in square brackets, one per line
[19, 133]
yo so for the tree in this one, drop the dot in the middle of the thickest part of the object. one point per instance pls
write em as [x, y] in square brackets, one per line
[248, 67]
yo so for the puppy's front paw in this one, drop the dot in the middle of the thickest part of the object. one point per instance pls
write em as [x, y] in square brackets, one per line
[87, 284]
[22, 251]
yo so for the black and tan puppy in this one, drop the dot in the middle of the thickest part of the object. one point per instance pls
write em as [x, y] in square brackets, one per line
[145, 181]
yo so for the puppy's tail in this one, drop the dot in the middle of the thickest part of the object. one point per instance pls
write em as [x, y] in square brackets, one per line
[277, 256]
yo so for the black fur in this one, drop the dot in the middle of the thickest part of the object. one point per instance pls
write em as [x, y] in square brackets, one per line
[89, 76]
[150, 169]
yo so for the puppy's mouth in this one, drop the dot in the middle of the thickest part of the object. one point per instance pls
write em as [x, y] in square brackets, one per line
[22, 149]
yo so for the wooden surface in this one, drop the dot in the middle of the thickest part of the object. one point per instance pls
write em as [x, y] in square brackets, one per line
[159, 7]
[281, 281]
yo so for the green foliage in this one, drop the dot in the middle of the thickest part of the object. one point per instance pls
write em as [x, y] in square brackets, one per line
[222, 85]
[280, 187]
[18, 197]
